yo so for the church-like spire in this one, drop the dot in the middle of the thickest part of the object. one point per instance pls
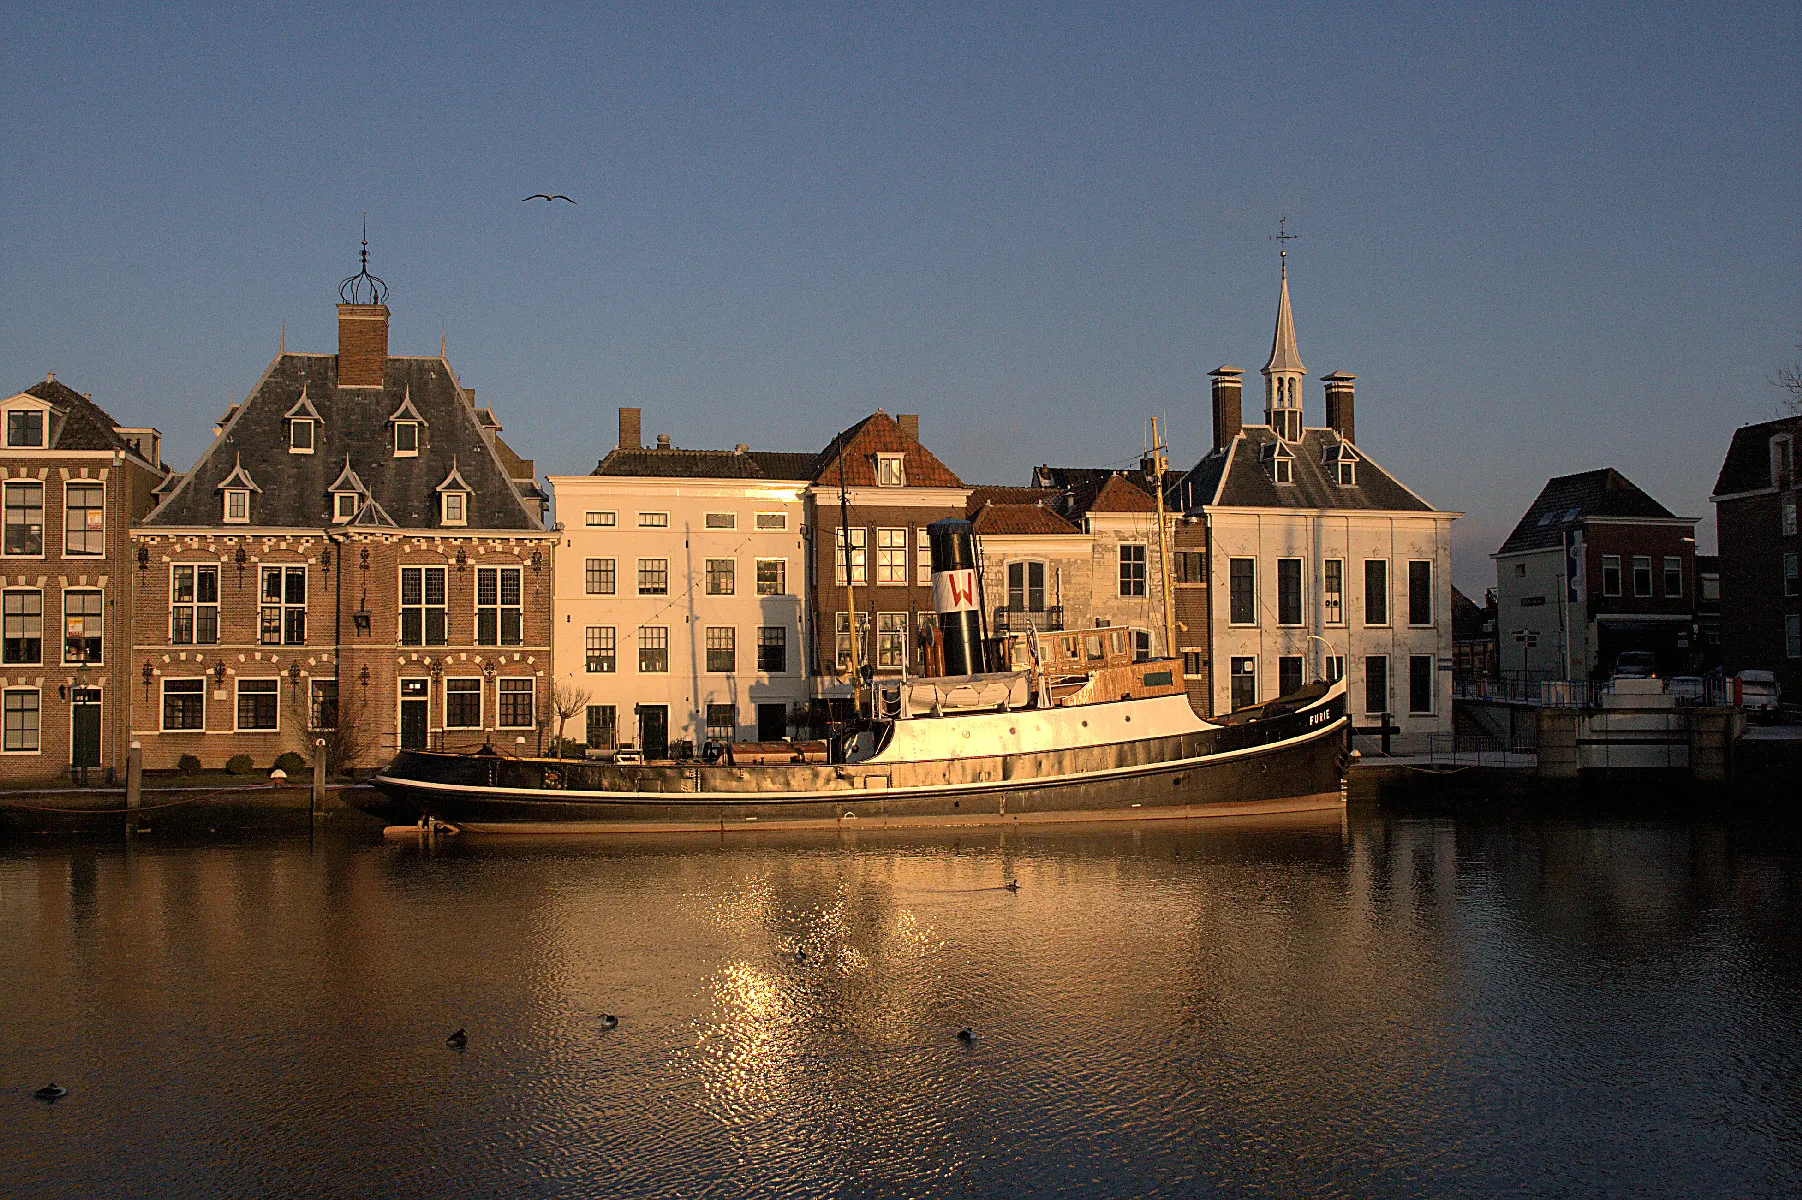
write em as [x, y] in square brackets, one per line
[1283, 373]
[1284, 357]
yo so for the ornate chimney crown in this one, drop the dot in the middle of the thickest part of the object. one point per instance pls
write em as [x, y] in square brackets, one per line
[363, 288]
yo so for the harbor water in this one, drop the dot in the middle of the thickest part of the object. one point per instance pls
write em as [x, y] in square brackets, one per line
[1367, 1003]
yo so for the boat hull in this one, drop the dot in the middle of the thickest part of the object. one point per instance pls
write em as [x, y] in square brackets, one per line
[1293, 764]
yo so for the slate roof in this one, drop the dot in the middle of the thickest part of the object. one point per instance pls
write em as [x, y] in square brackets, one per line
[1468, 618]
[986, 494]
[706, 464]
[1569, 499]
[852, 455]
[1747, 467]
[354, 422]
[1236, 478]
[77, 423]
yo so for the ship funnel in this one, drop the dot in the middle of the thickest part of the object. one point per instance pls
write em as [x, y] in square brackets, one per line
[955, 595]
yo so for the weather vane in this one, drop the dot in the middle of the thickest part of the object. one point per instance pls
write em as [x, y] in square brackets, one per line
[363, 288]
[1282, 237]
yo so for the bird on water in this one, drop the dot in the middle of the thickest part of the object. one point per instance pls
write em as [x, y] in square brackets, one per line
[545, 198]
[50, 1093]
[609, 1021]
[965, 1036]
[457, 1040]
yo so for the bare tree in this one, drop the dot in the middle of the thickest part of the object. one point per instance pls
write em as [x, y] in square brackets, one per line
[1789, 378]
[342, 729]
[567, 700]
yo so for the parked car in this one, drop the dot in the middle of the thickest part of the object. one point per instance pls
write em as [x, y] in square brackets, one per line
[1686, 687]
[1635, 664]
[1756, 691]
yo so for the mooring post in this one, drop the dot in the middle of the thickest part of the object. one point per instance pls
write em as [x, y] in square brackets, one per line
[318, 777]
[134, 786]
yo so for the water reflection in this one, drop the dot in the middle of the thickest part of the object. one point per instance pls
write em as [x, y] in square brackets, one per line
[1372, 1004]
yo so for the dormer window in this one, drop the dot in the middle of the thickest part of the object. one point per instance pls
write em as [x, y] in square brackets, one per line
[406, 439]
[1280, 461]
[235, 491]
[301, 437]
[890, 470]
[347, 492]
[453, 498]
[25, 428]
[1341, 463]
[344, 507]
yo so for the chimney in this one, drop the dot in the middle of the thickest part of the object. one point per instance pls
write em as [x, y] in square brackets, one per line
[1339, 405]
[629, 436]
[362, 344]
[663, 441]
[1229, 416]
[910, 424]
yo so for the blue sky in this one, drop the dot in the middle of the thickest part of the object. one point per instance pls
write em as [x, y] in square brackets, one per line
[1546, 238]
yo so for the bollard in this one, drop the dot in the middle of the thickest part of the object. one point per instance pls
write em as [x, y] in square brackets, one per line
[318, 778]
[134, 786]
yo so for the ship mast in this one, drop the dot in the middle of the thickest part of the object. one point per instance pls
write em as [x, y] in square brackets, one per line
[1158, 461]
[844, 532]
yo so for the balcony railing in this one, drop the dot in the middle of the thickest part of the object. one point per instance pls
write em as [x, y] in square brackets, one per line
[1049, 619]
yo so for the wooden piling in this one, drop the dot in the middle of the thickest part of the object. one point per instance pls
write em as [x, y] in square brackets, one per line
[134, 786]
[318, 805]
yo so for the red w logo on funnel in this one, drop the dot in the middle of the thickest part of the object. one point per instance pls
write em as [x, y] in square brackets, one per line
[954, 591]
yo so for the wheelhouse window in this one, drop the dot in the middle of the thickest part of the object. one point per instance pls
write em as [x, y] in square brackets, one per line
[772, 577]
[1132, 569]
[82, 628]
[722, 576]
[1332, 591]
[1673, 576]
[24, 519]
[499, 616]
[598, 576]
[23, 720]
[1611, 574]
[406, 439]
[653, 649]
[283, 620]
[194, 605]
[237, 506]
[25, 428]
[257, 704]
[1242, 600]
[184, 704]
[422, 607]
[1642, 575]
[22, 627]
[722, 649]
[599, 649]
[653, 577]
[891, 470]
[772, 649]
[84, 519]
[859, 564]
[1420, 591]
[516, 704]
[1376, 591]
[462, 703]
[455, 508]
[1025, 587]
[1288, 595]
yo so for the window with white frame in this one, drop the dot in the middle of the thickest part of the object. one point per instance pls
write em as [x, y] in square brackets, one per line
[859, 564]
[84, 519]
[772, 649]
[422, 606]
[721, 520]
[1642, 575]
[1420, 683]
[22, 720]
[184, 705]
[1376, 684]
[237, 506]
[653, 649]
[922, 557]
[1288, 594]
[1244, 677]
[22, 627]
[1792, 585]
[602, 726]
[722, 649]
[1420, 591]
[891, 470]
[1611, 574]
[653, 520]
[1132, 569]
[598, 577]
[1025, 587]
[842, 627]
[257, 704]
[283, 620]
[772, 522]
[301, 435]
[1332, 591]
[601, 520]
[653, 577]
[516, 699]
[24, 532]
[1376, 591]
[406, 439]
[772, 577]
[322, 711]
[455, 508]
[83, 614]
[500, 619]
[722, 576]
[1789, 516]
[722, 722]
[25, 428]
[891, 556]
[891, 641]
[194, 604]
[1335, 668]
[1241, 596]
[600, 649]
[1673, 576]
[344, 506]
[463, 703]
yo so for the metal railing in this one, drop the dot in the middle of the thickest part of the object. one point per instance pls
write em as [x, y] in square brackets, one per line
[1480, 749]
[1708, 691]
[1049, 619]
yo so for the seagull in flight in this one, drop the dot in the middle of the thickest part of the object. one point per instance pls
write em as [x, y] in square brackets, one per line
[545, 198]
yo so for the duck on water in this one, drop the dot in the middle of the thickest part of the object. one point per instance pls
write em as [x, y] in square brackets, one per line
[1022, 728]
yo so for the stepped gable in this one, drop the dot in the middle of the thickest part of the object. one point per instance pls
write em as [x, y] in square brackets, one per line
[354, 422]
[78, 423]
[1747, 467]
[1566, 500]
[850, 457]
[673, 463]
[1235, 477]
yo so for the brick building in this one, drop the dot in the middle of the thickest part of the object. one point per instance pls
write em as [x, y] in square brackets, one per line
[74, 480]
[1594, 568]
[358, 556]
[1755, 501]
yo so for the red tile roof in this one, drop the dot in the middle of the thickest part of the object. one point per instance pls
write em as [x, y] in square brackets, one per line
[854, 451]
[999, 519]
[1120, 495]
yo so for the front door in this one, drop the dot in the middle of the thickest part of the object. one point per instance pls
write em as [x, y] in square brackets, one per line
[772, 722]
[84, 744]
[415, 713]
[653, 730]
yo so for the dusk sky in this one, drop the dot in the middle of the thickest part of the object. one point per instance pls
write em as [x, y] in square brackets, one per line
[1545, 238]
